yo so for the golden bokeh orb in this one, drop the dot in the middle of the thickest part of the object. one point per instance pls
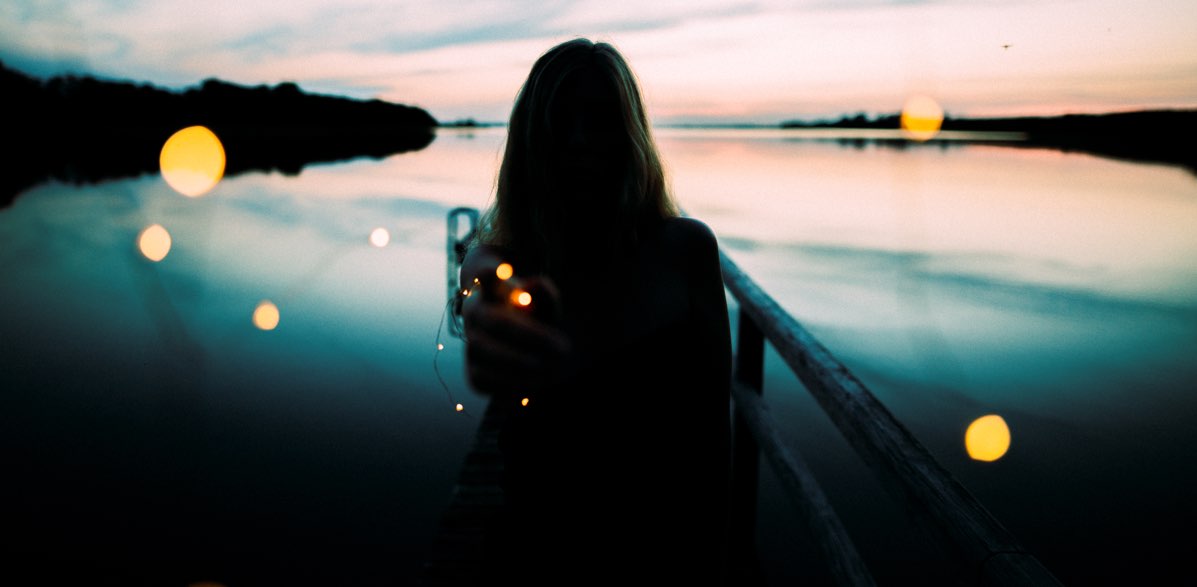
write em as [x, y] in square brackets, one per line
[922, 118]
[987, 438]
[380, 237]
[266, 315]
[154, 242]
[192, 161]
[504, 271]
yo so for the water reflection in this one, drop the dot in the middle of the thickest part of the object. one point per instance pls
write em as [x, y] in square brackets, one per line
[192, 161]
[1027, 277]
[154, 242]
[987, 438]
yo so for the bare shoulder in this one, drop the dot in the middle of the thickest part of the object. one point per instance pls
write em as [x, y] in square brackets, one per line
[690, 238]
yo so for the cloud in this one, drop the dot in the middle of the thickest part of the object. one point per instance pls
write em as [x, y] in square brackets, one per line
[703, 59]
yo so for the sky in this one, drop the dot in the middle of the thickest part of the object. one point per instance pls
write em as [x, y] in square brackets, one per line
[698, 61]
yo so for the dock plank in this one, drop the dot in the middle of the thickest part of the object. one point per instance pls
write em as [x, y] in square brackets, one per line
[458, 555]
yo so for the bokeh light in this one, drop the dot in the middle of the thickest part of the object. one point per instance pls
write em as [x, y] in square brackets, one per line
[504, 271]
[520, 297]
[922, 118]
[524, 402]
[266, 315]
[154, 242]
[192, 161]
[379, 237]
[987, 438]
[460, 408]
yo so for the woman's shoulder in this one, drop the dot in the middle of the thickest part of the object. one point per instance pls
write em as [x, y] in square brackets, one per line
[689, 238]
[687, 229]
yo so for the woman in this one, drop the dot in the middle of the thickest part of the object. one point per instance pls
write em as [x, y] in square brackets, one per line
[616, 463]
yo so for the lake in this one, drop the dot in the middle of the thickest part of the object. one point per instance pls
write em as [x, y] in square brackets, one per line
[157, 436]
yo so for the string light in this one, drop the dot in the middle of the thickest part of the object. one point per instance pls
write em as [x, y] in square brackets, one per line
[518, 296]
[457, 406]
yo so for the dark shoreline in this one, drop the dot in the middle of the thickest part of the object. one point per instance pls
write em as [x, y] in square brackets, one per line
[1130, 136]
[84, 130]
[81, 130]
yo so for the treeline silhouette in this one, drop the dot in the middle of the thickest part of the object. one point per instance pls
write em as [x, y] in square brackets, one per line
[82, 130]
[1145, 136]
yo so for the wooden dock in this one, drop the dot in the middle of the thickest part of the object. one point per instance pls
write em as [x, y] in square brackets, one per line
[458, 555]
[981, 550]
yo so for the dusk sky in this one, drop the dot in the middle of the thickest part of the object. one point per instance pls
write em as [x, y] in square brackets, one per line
[698, 60]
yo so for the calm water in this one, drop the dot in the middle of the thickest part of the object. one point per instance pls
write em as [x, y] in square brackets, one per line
[155, 434]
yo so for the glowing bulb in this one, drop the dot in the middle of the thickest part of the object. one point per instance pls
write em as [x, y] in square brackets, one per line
[379, 237]
[154, 242]
[465, 292]
[460, 407]
[987, 438]
[266, 315]
[440, 347]
[921, 118]
[524, 402]
[476, 281]
[504, 271]
[521, 297]
[192, 161]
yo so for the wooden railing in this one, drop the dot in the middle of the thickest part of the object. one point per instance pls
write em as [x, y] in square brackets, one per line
[969, 533]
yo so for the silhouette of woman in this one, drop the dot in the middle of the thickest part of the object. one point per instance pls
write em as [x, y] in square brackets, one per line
[617, 464]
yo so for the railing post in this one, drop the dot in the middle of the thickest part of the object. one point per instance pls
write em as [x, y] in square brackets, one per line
[749, 371]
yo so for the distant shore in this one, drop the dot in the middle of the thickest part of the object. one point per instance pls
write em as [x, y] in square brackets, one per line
[1129, 136]
[1134, 136]
[84, 130]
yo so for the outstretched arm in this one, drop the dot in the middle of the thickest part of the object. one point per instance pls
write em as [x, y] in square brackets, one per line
[506, 349]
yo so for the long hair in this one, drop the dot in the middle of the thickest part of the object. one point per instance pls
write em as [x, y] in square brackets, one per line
[526, 215]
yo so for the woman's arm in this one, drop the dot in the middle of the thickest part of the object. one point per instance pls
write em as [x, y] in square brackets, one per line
[710, 433]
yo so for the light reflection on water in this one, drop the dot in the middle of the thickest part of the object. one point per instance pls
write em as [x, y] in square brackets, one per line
[1058, 290]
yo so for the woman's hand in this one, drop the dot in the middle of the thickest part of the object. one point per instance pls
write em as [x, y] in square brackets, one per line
[512, 347]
